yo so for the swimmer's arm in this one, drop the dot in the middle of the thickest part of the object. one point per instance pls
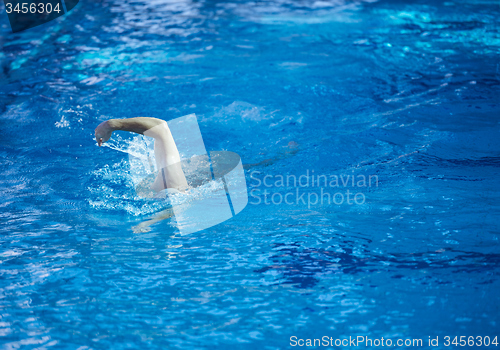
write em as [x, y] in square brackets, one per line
[138, 125]
[144, 226]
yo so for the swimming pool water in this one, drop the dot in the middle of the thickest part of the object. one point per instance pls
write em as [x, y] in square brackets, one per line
[407, 92]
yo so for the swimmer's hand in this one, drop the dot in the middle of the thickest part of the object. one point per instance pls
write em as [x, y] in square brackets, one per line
[103, 132]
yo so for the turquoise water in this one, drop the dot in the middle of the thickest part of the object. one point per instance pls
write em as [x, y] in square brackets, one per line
[408, 93]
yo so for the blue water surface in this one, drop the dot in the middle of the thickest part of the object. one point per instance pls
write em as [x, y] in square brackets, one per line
[407, 92]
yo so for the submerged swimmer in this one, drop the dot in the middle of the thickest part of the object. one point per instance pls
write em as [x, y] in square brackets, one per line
[170, 175]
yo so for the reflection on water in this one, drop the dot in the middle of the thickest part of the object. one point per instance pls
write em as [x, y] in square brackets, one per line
[305, 268]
